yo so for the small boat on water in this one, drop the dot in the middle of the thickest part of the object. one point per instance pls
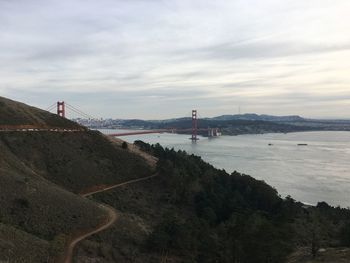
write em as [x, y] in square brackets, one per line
[270, 144]
[302, 144]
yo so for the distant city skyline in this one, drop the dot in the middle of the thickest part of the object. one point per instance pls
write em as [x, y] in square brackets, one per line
[158, 59]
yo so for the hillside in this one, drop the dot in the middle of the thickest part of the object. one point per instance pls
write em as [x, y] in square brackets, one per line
[182, 210]
[76, 161]
[193, 212]
[40, 174]
[16, 113]
[256, 117]
[37, 211]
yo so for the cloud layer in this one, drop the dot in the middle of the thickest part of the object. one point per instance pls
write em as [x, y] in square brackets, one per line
[160, 59]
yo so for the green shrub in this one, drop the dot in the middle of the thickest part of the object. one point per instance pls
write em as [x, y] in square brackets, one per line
[124, 145]
[345, 235]
[57, 245]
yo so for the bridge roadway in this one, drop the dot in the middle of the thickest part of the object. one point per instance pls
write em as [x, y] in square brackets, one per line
[32, 128]
[138, 132]
[29, 128]
[169, 130]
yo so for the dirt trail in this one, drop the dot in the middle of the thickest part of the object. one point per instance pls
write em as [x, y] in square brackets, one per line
[112, 218]
[112, 214]
[118, 185]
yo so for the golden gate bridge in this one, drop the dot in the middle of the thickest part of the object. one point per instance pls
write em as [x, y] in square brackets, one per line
[61, 107]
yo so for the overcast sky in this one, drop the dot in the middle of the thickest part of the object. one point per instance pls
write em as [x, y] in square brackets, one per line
[159, 59]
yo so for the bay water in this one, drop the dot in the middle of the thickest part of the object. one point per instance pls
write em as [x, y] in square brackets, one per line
[317, 171]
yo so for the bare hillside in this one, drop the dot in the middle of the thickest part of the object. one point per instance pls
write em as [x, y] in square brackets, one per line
[16, 113]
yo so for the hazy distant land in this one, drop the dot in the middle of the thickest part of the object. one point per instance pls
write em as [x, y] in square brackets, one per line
[228, 124]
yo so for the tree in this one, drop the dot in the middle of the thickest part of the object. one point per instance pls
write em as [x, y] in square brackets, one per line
[345, 235]
[124, 145]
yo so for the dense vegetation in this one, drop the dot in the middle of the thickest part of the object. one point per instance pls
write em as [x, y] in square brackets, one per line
[195, 213]
[235, 214]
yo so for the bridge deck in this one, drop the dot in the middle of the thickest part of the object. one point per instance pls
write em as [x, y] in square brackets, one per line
[152, 131]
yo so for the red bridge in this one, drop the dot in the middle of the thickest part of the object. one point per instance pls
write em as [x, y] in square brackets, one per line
[137, 132]
[212, 132]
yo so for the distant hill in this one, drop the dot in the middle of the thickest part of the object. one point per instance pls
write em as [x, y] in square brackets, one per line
[256, 117]
[228, 124]
[249, 123]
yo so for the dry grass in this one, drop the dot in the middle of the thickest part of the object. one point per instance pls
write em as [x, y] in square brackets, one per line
[75, 161]
[37, 170]
[327, 255]
[150, 159]
[16, 113]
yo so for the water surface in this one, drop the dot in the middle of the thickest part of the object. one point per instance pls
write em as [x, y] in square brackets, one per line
[319, 171]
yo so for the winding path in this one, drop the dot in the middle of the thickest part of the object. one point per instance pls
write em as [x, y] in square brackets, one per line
[112, 217]
[118, 185]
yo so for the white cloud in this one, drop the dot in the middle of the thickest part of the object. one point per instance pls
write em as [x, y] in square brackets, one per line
[165, 57]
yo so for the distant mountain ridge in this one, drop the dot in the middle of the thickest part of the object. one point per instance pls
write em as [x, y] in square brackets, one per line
[225, 117]
[246, 117]
[249, 123]
[257, 117]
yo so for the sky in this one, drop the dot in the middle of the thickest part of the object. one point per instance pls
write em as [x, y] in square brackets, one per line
[157, 59]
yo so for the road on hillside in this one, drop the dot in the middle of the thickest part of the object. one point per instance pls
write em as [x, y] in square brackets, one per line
[112, 217]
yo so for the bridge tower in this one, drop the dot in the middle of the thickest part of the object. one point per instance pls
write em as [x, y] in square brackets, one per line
[61, 109]
[194, 125]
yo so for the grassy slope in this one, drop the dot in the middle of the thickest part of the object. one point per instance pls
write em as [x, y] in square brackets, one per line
[35, 170]
[16, 113]
[38, 209]
[329, 255]
[76, 161]
[18, 245]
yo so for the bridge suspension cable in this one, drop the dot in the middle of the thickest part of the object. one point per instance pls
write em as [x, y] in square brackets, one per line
[71, 108]
[79, 112]
[53, 106]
